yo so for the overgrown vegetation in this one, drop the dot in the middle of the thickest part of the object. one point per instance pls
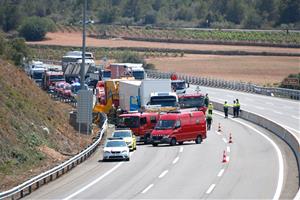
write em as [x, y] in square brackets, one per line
[187, 13]
[291, 82]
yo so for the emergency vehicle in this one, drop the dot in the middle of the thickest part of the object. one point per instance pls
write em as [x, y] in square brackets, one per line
[141, 124]
[192, 100]
[178, 127]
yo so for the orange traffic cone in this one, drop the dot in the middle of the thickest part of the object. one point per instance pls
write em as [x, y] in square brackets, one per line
[219, 128]
[230, 139]
[224, 157]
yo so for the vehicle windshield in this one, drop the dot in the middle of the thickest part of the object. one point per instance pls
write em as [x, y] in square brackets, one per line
[122, 134]
[116, 143]
[37, 75]
[56, 78]
[178, 85]
[129, 122]
[164, 124]
[106, 74]
[191, 102]
[139, 75]
[164, 101]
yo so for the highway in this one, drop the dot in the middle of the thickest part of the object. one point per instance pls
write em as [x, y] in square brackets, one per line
[257, 168]
[282, 111]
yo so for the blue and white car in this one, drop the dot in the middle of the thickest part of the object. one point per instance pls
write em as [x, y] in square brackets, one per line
[116, 149]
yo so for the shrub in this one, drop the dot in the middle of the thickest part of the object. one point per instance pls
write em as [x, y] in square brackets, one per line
[35, 28]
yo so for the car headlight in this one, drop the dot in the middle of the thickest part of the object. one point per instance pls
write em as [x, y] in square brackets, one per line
[124, 151]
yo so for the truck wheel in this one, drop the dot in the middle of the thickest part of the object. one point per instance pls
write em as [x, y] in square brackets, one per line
[154, 144]
[173, 142]
[180, 143]
[198, 139]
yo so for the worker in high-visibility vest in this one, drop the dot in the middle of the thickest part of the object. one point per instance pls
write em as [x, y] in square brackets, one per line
[225, 106]
[206, 100]
[208, 121]
[234, 106]
[210, 108]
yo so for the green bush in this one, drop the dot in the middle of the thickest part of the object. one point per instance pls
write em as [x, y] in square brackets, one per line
[35, 28]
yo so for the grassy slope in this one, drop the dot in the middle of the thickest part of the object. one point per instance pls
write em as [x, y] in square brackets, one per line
[25, 148]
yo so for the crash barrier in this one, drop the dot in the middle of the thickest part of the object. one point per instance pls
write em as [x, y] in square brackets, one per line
[232, 85]
[291, 139]
[42, 179]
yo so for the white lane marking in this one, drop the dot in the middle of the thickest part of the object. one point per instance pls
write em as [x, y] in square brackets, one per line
[175, 160]
[280, 159]
[269, 103]
[277, 112]
[147, 188]
[181, 149]
[218, 133]
[210, 189]
[296, 117]
[260, 108]
[231, 96]
[222, 100]
[227, 158]
[225, 140]
[221, 172]
[228, 149]
[244, 104]
[94, 182]
[163, 173]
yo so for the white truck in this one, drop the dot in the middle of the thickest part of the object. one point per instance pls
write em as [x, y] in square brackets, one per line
[135, 94]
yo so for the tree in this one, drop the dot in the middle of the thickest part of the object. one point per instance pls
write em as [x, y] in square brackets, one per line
[150, 17]
[252, 20]
[33, 29]
[235, 11]
[289, 11]
[10, 16]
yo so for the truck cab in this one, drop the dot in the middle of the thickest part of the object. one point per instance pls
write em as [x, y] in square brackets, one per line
[179, 127]
[141, 124]
[163, 99]
[195, 100]
[179, 86]
[50, 78]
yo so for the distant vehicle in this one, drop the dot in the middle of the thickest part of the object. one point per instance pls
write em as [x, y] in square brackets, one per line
[71, 64]
[179, 86]
[116, 148]
[50, 78]
[163, 99]
[193, 100]
[34, 65]
[135, 70]
[179, 127]
[37, 75]
[127, 136]
[141, 124]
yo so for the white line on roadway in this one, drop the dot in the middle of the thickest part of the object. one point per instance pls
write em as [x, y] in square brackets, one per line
[218, 133]
[260, 108]
[280, 160]
[228, 149]
[269, 103]
[210, 189]
[225, 140]
[147, 188]
[227, 158]
[94, 182]
[231, 96]
[296, 117]
[175, 160]
[277, 112]
[163, 174]
[181, 149]
[221, 173]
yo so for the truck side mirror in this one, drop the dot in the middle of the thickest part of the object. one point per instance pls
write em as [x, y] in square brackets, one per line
[177, 126]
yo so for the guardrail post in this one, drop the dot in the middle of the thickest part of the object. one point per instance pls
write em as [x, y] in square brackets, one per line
[21, 194]
[37, 184]
[29, 189]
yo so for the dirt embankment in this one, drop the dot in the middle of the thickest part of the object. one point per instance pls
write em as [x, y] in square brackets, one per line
[34, 131]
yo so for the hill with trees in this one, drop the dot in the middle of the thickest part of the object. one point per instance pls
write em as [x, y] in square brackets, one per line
[177, 13]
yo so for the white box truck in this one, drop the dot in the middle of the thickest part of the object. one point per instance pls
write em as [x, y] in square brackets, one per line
[129, 94]
[150, 86]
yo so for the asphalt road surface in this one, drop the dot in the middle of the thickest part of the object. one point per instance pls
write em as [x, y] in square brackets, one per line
[282, 111]
[256, 168]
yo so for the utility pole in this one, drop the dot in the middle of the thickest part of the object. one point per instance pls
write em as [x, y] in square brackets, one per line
[82, 76]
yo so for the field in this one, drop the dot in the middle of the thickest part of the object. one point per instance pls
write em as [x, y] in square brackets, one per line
[256, 69]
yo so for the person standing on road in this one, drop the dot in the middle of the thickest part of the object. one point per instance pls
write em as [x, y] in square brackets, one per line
[234, 108]
[206, 100]
[238, 107]
[225, 106]
[210, 108]
[208, 121]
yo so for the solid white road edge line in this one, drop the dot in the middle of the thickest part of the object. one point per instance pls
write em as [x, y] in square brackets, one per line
[279, 155]
[221, 173]
[225, 140]
[210, 189]
[218, 133]
[175, 160]
[280, 160]
[181, 149]
[147, 188]
[163, 173]
[94, 182]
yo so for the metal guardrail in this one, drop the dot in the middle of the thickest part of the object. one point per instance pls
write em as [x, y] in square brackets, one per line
[34, 183]
[231, 85]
